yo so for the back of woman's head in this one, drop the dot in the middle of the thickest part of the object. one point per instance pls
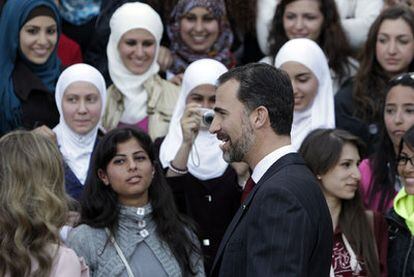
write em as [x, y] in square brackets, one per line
[33, 203]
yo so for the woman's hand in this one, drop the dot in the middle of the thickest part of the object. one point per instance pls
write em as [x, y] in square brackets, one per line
[46, 132]
[177, 79]
[165, 58]
[190, 122]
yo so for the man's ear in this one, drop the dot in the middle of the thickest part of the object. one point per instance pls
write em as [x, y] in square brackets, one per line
[261, 117]
[103, 176]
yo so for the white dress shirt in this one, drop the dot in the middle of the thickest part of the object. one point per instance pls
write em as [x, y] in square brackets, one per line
[269, 160]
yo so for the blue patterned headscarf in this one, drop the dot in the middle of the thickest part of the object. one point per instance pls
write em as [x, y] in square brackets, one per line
[182, 54]
[79, 12]
[12, 19]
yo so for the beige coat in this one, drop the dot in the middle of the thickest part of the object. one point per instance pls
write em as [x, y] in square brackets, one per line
[162, 96]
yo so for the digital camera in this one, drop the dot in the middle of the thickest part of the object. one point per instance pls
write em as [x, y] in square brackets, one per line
[207, 116]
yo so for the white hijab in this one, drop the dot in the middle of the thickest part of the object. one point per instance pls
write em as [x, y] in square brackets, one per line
[206, 146]
[127, 17]
[320, 113]
[75, 148]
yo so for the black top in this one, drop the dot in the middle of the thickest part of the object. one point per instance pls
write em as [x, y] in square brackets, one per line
[346, 119]
[210, 203]
[400, 246]
[37, 102]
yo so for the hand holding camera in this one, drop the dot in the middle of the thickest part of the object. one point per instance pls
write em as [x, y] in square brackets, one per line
[195, 118]
[190, 122]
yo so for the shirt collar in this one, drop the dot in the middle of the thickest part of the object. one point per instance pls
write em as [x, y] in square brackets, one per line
[269, 160]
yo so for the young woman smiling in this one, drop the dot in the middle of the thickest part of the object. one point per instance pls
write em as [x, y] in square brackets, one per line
[319, 21]
[139, 96]
[29, 31]
[308, 70]
[401, 217]
[199, 29]
[360, 237]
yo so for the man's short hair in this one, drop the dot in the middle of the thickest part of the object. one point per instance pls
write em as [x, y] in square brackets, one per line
[264, 85]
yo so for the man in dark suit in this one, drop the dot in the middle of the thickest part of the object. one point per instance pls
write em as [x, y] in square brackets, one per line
[283, 227]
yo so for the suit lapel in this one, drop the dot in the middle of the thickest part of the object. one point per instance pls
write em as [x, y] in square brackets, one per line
[280, 163]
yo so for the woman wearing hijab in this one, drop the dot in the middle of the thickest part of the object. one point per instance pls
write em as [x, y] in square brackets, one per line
[139, 96]
[199, 29]
[29, 31]
[204, 185]
[80, 98]
[308, 70]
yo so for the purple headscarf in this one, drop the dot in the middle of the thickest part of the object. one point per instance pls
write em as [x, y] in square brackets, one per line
[182, 54]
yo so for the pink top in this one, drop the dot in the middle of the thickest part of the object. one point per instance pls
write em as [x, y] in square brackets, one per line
[68, 264]
[65, 264]
[366, 177]
[143, 125]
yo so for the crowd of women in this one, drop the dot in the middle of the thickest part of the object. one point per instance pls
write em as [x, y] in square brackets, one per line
[107, 167]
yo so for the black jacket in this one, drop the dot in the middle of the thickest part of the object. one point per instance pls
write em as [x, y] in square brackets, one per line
[283, 227]
[400, 246]
[346, 119]
[37, 102]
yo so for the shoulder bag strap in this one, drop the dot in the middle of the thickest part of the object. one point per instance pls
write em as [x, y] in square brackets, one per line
[120, 254]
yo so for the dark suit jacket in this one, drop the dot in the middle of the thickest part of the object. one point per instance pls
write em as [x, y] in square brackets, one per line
[282, 229]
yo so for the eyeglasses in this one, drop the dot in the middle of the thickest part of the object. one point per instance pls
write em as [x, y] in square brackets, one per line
[403, 160]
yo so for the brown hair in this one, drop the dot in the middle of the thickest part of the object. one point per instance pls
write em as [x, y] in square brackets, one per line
[32, 203]
[371, 79]
[322, 150]
[332, 39]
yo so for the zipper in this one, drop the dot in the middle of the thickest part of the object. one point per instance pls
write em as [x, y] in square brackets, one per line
[406, 257]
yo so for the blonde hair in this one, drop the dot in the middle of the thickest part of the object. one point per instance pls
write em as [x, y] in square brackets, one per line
[33, 203]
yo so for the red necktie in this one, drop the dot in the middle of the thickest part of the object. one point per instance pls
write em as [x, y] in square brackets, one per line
[247, 189]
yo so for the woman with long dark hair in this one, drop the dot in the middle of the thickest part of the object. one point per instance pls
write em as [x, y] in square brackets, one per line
[129, 223]
[324, 28]
[388, 51]
[379, 182]
[360, 237]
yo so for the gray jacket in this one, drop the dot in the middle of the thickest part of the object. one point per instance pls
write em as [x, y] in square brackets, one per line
[100, 254]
